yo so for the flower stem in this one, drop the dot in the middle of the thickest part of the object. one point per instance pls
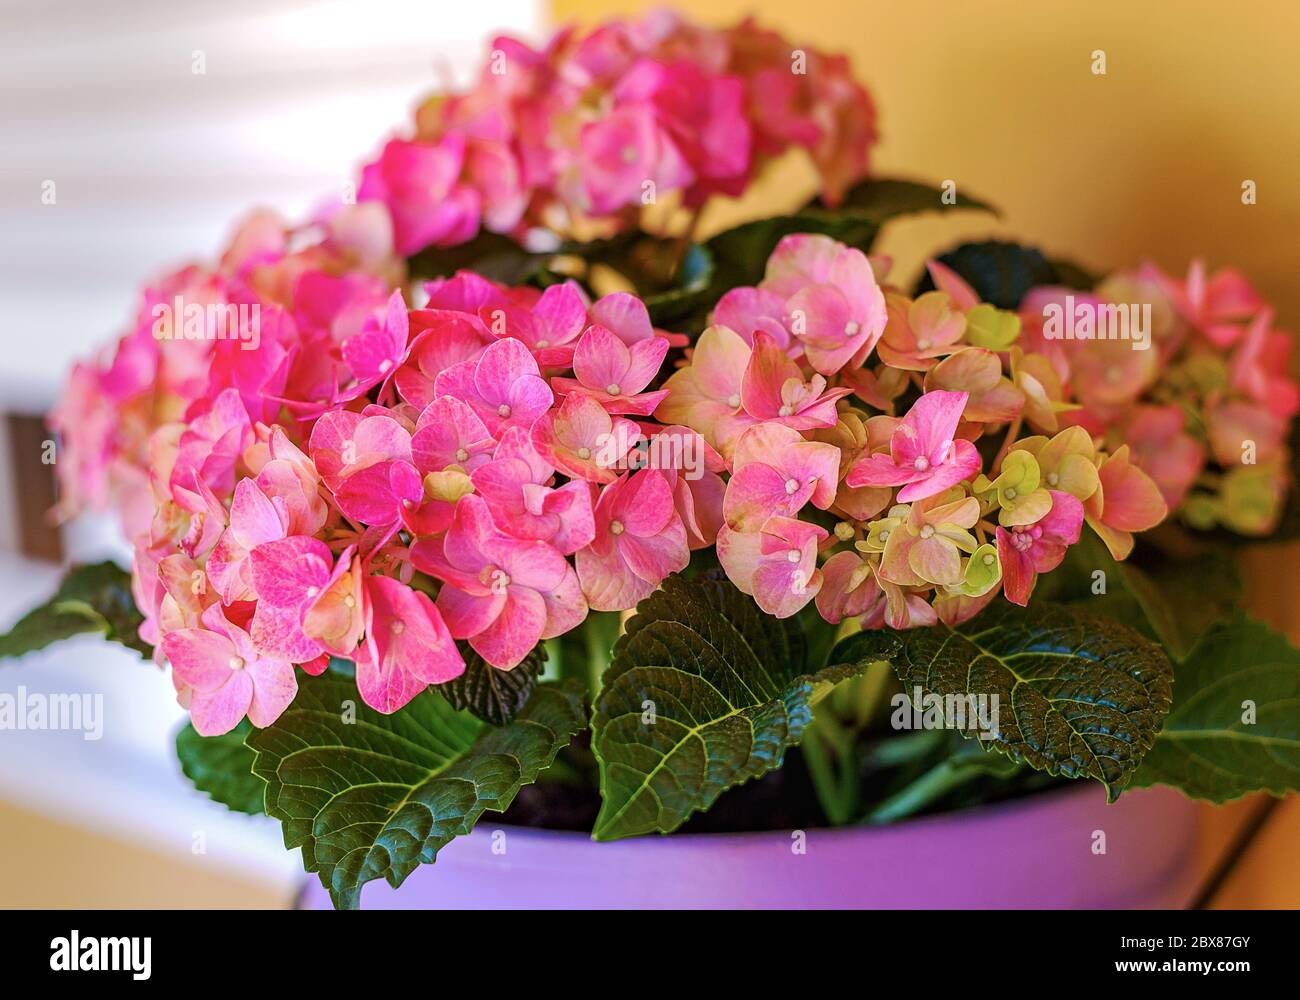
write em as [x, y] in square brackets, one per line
[1012, 433]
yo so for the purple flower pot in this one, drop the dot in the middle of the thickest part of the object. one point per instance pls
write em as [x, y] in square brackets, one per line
[1035, 852]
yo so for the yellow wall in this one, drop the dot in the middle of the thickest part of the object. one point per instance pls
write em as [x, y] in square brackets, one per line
[999, 95]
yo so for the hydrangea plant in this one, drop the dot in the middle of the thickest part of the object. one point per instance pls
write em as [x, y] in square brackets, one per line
[561, 492]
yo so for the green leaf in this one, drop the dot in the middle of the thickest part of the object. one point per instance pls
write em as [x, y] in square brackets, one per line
[1001, 273]
[1172, 600]
[1208, 748]
[488, 254]
[91, 598]
[370, 796]
[495, 696]
[887, 198]
[1077, 695]
[705, 692]
[738, 256]
[222, 766]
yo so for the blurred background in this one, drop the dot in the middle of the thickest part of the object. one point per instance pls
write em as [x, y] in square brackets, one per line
[152, 161]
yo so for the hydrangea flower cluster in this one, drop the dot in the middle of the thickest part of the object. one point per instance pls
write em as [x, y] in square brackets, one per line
[593, 126]
[266, 319]
[467, 470]
[851, 419]
[1207, 410]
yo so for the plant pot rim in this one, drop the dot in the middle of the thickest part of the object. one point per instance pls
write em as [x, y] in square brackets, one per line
[1027, 806]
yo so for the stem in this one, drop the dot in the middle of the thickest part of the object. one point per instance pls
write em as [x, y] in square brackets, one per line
[821, 772]
[685, 240]
[895, 750]
[1012, 433]
[874, 687]
[924, 791]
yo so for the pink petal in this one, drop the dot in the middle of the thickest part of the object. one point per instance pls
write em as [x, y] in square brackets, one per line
[468, 614]
[516, 630]
[274, 687]
[962, 463]
[218, 711]
[285, 570]
[602, 360]
[199, 657]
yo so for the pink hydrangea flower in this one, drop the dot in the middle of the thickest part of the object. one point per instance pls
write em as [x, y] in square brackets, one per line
[624, 151]
[504, 386]
[777, 564]
[614, 374]
[227, 676]
[639, 541]
[449, 433]
[1171, 457]
[923, 456]
[920, 332]
[440, 339]
[774, 389]
[420, 184]
[407, 647]
[209, 449]
[582, 440]
[515, 486]
[706, 395]
[750, 310]
[838, 312]
[776, 472]
[549, 327]
[1029, 549]
[1217, 305]
[1126, 500]
[503, 594]
[254, 520]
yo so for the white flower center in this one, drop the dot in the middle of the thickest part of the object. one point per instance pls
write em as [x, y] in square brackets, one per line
[385, 365]
[543, 343]
[313, 591]
[1053, 479]
[793, 556]
[616, 527]
[927, 531]
[1010, 493]
[613, 389]
[786, 410]
[398, 627]
[349, 600]
[462, 455]
[584, 453]
[734, 400]
[921, 464]
[988, 559]
[923, 344]
[851, 328]
[503, 410]
[236, 663]
[792, 486]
